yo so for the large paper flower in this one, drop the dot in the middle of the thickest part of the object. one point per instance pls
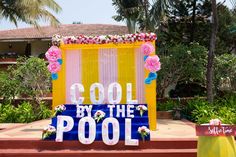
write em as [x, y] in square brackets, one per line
[147, 48]
[153, 63]
[54, 67]
[53, 54]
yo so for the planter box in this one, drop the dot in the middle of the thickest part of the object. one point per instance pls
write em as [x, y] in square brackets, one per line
[164, 115]
[7, 59]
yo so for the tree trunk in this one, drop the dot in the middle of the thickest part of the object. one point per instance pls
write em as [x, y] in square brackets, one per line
[193, 21]
[211, 52]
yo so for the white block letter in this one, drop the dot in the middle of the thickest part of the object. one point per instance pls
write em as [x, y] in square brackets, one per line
[116, 131]
[111, 87]
[61, 128]
[73, 88]
[128, 140]
[100, 93]
[111, 109]
[129, 94]
[120, 109]
[92, 130]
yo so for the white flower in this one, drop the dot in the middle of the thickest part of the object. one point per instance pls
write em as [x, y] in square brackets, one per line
[99, 115]
[60, 108]
[143, 129]
[48, 131]
[141, 107]
[215, 122]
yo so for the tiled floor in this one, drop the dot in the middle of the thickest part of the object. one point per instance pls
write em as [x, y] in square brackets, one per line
[166, 128]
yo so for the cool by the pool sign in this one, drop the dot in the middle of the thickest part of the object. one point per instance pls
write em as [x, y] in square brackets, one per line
[102, 122]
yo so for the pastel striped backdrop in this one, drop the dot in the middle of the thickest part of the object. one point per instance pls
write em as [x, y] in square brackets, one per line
[108, 63]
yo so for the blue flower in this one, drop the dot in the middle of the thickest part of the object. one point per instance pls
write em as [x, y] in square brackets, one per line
[60, 61]
[54, 76]
[145, 57]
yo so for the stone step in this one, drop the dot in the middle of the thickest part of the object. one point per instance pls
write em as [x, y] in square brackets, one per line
[100, 153]
[97, 145]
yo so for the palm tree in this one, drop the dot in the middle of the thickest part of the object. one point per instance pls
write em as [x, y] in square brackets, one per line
[29, 11]
[130, 11]
[143, 12]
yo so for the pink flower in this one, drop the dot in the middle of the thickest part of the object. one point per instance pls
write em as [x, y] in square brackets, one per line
[153, 64]
[147, 48]
[53, 54]
[54, 67]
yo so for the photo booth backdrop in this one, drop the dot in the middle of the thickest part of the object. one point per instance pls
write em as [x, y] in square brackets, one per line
[105, 64]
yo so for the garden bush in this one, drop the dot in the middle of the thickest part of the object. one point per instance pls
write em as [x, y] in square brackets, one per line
[29, 77]
[200, 111]
[23, 113]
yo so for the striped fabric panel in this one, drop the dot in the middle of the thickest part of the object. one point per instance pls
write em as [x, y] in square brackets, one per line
[73, 70]
[107, 68]
[140, 76]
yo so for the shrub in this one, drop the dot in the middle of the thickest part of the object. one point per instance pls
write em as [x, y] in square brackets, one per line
[181, 63]
[200, 111]
[43, 111]
[8, 114]
[225, 72]
[8, 87]
[166, 106]
[24, 113]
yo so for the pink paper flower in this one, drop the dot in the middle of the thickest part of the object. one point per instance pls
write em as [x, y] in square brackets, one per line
[147, 49]
[153, 63]
[53, 54]
[54, 67]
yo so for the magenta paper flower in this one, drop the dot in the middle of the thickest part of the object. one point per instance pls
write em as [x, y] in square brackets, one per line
[53, 54]
[54, 67]
[153, 63]
[147, 49]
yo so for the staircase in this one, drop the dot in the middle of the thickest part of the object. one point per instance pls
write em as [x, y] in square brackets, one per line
[174, 147]
[37, 148]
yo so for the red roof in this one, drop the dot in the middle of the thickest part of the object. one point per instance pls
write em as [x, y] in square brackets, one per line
[47, 32]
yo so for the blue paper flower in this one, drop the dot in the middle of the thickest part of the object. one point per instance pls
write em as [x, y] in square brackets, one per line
[54, 76]
[145, 57]
[150, 78]
[60, 61]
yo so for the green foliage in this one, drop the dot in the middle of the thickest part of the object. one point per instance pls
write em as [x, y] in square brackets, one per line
[181, 63]
[43, 112]
[200, 111]
[29, 77]
[8, 114]
[8, 85]
[225, 70]
[167, 106]
[30, 12]
[24, 113]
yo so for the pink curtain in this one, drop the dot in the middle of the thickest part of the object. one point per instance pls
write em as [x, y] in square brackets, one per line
[140, 88]
[73, 70]
[107, 68]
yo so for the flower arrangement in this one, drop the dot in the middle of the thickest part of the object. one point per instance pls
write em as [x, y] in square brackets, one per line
[215, 122]
[141, 109]
[48, 131]
[106, 39]
[152, 62]
[144, 132]
[99, 115]
[54, 58]
[59, 109]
